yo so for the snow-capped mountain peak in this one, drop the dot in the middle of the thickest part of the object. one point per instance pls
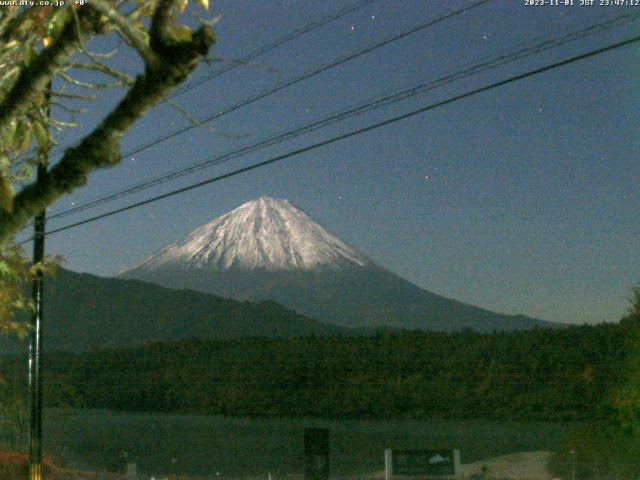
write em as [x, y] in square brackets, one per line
[266, 233]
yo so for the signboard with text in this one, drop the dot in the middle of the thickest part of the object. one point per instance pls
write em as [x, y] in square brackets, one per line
[443, 462]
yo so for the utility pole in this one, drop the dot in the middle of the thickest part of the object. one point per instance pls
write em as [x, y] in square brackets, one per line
[35, 351]
[35, 333]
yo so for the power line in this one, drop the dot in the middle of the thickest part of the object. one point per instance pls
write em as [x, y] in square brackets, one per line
[358, 110]
[273, 45]
[295, 34]
[306, 76]
[352, 133]
[303, 77]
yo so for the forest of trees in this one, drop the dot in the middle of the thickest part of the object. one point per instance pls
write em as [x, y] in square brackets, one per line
[584, 373]
[545, 374]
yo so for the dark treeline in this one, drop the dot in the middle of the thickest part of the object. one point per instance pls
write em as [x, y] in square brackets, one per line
[559, 374]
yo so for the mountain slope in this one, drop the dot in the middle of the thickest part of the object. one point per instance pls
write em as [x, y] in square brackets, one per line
[83, 312]
[268, 249]
[368, 297]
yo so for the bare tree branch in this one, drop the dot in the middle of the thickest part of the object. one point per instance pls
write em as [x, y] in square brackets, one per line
[201, 19]
[88, 85]
[199, 123]
[159, 23]
[100, 67]
[127, 28]
[136, 13]
[95, 55]
[72, 96]
[36, 76]
[11, 21]
[100, 148]
[74, 111]
[59, 125]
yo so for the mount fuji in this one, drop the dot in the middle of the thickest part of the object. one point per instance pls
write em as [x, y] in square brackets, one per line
[268, 249]
[266, 234]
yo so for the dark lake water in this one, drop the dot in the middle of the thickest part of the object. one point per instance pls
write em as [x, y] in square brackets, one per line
[228, 447]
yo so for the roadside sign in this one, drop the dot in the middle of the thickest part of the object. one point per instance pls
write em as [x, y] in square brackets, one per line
[316, 454]
[441, 462]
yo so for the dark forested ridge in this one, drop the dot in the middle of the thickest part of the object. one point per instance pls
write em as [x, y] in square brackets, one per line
[85, 312]
[537, 374]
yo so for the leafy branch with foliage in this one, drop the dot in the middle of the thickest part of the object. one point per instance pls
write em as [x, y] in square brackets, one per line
[44, 60]
[608, 446]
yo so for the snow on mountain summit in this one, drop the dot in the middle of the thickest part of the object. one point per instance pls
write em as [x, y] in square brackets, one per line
[266, 233]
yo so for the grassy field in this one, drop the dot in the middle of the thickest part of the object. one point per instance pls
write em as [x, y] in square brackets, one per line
[207, 445]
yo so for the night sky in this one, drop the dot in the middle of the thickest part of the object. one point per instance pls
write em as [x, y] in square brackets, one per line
[523, 199]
